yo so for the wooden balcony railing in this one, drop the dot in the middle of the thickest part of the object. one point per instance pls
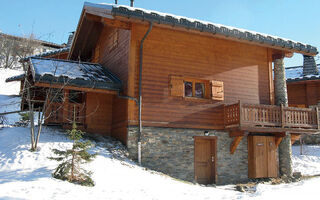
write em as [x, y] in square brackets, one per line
[249, 116]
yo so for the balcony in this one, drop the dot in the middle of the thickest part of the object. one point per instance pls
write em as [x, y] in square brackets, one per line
[270, 118]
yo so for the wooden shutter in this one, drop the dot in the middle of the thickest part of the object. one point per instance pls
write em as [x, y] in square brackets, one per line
[217, 90]
[176, 86]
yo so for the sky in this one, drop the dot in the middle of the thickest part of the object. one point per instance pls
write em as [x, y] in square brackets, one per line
[53, 20]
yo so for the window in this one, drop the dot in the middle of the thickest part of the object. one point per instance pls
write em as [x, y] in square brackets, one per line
[188, 89]
[197, 88]
[194, 89]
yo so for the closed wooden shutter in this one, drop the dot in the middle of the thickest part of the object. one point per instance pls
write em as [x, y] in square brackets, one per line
[217, 90]
[176, 86]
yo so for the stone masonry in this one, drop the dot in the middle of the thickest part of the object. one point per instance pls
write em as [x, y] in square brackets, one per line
[280, 89]
[171, 151]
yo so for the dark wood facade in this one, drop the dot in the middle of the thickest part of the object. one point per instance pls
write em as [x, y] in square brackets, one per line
[303, 93]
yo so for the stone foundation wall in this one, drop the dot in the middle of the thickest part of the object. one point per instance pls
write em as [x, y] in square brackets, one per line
[171, 151]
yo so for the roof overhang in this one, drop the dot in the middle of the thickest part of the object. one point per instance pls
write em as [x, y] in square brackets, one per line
[71, 74]
[95, 16]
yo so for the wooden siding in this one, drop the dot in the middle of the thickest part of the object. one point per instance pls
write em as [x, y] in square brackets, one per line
[99, 113]
[116, 59]
[120, 119]
[304, 93]
[244, 70]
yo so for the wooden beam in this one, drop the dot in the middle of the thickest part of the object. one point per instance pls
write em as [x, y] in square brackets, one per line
[277, 130]
[236, 133]
[117, 24]
[235, 144]
[76, 88]
[278, 140]
[91, 17]
[288, 54]
[295, 137]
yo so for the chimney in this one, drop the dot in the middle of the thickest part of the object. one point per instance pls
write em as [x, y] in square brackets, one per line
[115, 1]
[70, 39]
[309, 66]
[131, 4]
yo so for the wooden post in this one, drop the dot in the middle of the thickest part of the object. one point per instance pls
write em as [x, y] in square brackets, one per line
[301, 150]
[239, 102]
[317, 117]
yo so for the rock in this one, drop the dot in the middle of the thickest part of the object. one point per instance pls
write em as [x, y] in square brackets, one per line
[240, 188]
[297, 175]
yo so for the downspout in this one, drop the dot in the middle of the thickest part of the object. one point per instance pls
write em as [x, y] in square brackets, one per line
[140, 95]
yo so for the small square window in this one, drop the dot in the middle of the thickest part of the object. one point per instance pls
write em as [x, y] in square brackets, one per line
[199, 90]
[188, 89]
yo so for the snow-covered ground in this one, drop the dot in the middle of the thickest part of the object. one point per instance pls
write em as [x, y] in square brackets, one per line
[8, 92]
[27, 175]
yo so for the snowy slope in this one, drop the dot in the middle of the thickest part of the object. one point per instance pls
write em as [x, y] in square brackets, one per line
[309, 162]
[27, 175]
[11, 88]
[8, 100]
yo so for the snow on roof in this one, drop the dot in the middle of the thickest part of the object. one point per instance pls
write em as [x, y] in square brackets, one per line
[81, 74]
[15, 78]
[203, 26]
[296, 74]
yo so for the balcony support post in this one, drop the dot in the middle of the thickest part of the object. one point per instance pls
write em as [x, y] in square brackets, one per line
[317, 117]
[281, 98]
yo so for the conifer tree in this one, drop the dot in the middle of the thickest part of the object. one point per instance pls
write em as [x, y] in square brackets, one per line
[71, 159]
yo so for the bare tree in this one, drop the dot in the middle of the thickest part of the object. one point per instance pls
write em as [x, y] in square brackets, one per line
[15, 48]
[51, 95]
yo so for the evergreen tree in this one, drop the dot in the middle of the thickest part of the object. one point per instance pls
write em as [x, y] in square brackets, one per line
[71, 159]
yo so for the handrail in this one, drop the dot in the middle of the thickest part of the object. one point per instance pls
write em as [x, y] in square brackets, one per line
[271, 116]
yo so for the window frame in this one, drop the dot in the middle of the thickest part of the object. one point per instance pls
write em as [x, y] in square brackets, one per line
[206, 84]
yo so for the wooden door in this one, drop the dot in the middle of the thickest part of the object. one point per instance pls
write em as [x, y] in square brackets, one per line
[272, 157]
[205, 159]
[262, 157]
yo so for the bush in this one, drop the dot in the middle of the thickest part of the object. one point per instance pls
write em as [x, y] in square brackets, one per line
[69, 169]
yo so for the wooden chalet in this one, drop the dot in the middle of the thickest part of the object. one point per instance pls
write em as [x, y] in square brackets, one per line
[198, 100]
[303, 83]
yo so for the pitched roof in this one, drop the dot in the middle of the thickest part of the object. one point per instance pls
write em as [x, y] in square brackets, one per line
[15, 78]
[73, 73]
[42, 42]
[294, 74]
[104, 9]
[48, 53]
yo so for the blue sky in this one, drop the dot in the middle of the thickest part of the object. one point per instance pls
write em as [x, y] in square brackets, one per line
[52, 20]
